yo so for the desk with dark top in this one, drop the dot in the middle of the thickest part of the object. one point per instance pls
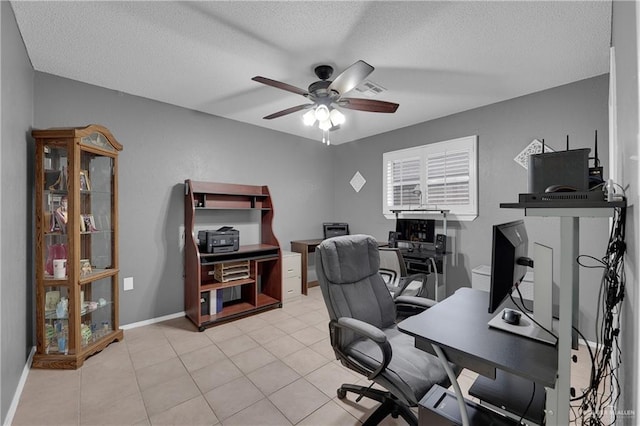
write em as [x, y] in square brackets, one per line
[304, 247]
[416, 260]
[458, 325]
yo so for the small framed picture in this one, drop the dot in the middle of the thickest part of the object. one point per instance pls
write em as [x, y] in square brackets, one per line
[51, 300]
[85, 184]
[85, 267]
[87, 223]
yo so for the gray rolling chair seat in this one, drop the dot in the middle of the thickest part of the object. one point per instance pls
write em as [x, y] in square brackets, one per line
[363, 329]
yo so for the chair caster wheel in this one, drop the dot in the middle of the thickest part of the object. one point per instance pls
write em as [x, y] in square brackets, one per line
[342, 394]
[201, 329]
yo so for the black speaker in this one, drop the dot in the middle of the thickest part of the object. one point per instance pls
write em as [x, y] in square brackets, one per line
[441, 243]
[393, 239]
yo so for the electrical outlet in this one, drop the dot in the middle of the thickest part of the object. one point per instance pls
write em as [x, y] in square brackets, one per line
[128, 283]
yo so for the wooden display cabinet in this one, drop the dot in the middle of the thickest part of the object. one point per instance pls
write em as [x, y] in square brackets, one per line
[254, 269]
[76, 244]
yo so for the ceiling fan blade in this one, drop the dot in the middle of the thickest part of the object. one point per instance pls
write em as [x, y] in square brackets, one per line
[369, 105]
[280, 85]
[351, 77]
[288, 111]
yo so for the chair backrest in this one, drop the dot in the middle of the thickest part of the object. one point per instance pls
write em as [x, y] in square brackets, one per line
[391, 258]
[392, 268]
[348, 273]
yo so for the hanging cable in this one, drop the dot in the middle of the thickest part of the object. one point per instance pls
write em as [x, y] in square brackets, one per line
[599, 399]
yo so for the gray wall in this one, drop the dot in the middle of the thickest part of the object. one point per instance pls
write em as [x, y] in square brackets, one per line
[625, 40]
[16, 182]
[163, 146]
[503, 130]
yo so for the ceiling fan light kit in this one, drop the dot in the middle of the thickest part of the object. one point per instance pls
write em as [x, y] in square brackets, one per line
[326, 95]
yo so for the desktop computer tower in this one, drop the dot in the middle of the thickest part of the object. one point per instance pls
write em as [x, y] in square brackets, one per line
[439, 407]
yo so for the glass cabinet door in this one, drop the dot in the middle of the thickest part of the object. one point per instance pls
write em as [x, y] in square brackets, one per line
[97, 310]
[96, 204]
[55, 208]
[56, 320]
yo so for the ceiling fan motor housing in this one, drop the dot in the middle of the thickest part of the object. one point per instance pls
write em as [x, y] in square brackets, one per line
[324, 72]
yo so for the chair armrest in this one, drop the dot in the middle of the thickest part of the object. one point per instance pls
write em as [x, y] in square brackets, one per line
[368, 331]
[405, 281]
[415, 301]
[364, 329]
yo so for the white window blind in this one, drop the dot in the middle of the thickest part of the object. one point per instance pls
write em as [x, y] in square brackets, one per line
[448, 178]
[440, 175]
[403, 177]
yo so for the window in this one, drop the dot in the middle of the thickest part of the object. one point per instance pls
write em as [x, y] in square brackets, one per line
[440, 175]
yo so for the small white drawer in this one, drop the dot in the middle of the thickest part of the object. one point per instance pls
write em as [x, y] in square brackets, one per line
[291, 265]
[291, 287]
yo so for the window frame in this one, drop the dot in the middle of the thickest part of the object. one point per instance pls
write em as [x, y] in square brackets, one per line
[460, 212]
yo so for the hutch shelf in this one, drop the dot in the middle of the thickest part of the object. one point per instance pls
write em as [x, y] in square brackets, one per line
[76, 246]
[254, 270]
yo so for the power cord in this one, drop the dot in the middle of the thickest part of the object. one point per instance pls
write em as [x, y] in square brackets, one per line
[524, 311]
[604, 388]
[533, 394]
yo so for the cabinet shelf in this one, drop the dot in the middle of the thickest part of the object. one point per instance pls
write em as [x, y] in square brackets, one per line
[263, 289]
[234, 208]
[216, 285]
[265, 300]
[97, 274]
[248, 252]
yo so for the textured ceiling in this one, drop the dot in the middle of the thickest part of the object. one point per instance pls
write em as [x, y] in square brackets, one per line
[433, 58]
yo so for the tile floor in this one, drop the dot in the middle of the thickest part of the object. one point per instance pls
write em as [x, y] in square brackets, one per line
[275, 368]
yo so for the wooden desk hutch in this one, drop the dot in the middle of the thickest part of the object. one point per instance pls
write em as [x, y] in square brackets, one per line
[260, 287]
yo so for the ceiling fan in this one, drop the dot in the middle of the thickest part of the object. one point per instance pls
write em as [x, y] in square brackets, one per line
[325, 95]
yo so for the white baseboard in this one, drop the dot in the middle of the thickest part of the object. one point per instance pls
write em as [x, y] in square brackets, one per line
[16, 397]
[152, 321]
[25, 371]
[589, 343]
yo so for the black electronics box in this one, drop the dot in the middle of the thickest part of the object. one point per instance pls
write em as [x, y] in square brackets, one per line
[566, 199]
[439, 407]
[204, 303]
[335, 229]
[223, 240]
[441, 243]
[564, 168]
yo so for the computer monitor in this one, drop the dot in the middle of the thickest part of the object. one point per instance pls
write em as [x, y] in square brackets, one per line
[509, 244]
[416, 230]
[508, 266]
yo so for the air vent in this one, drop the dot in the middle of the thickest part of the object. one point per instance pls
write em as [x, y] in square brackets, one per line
[566, 196]
[369, 89]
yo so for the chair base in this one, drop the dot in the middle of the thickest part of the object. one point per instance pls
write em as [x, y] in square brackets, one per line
[389, 404]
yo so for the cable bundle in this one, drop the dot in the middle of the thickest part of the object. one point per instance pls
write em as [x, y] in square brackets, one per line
[597, 406]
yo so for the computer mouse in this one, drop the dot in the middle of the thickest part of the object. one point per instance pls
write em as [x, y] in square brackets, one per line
[560, 188]
[511, 317]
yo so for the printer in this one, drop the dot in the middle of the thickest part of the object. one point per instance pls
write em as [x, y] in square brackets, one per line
[223, 240]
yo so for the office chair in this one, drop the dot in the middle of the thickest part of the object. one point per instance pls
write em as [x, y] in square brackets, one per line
[363, 329]
[398, 281]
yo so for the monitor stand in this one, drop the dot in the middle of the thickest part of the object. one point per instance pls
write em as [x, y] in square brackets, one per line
[542, 301]
[526, 328]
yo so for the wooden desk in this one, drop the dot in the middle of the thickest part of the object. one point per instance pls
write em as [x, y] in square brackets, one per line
[304, 247]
